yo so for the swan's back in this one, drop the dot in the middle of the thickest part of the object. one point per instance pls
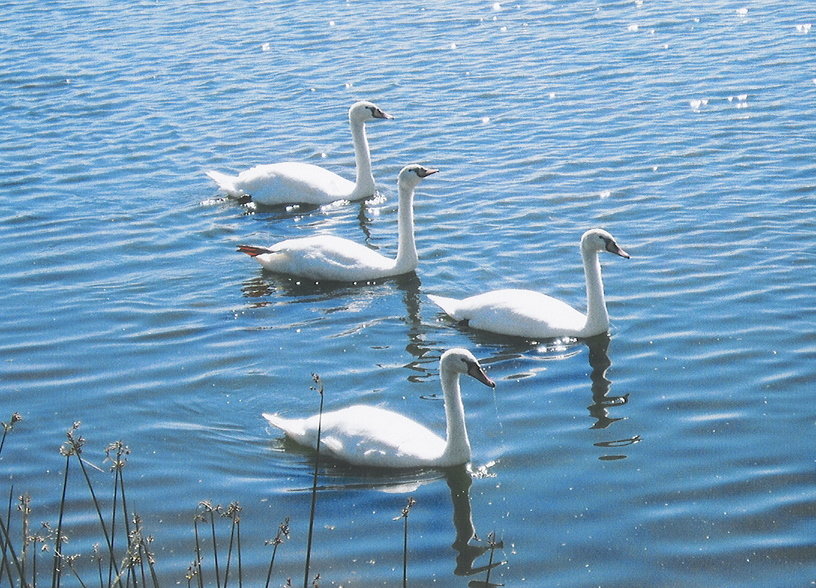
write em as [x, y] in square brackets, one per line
[523, 313]
[325, 257]
[293, 182]
[367, 436]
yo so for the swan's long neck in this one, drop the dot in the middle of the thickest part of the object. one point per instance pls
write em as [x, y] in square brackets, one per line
[364, 183]
[597, 316]
[457, 449]
[407, 258]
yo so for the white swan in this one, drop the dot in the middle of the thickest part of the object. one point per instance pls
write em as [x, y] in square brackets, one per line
[303, 183]
[526, 313]
[325, 257]
[365, 435]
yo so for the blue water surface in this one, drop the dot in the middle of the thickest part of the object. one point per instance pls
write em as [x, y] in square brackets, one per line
[676, 451]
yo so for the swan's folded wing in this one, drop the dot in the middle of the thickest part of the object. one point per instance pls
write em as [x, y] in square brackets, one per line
[326, 257]
[519, 312]
[293, 183]
[369, 435]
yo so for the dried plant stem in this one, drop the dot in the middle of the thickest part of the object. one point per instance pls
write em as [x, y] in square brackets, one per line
[4, 541]
[14, 559]
[35, 540]
[70, 561]
[25, 510]
[108, 540]
[491, 541]
[57, 569]
[7, 427]
[215, 550]
[240, 563]
[197, 563]
[233, 512]
[405, 554]
[207, 508]
[148, 555]
[113, 529]
[404, 516]
[118, 463]
[319, 384]
[283, 531]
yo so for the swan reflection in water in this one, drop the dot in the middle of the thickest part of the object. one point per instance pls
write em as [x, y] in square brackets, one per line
[537, 356]
[459, 482]
[469, 547]
[602, 402]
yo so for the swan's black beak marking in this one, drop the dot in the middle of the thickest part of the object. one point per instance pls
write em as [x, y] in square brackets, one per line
[612, 247]
[476, 371]
[426, 171]
[381, 114]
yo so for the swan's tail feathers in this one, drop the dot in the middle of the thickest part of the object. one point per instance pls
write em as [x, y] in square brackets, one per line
[253, 251]
[292, 428]
[226, 184]
[275, 420]
[448, 305]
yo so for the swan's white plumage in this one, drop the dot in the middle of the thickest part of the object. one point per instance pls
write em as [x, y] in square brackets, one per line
[371, 436]
[283, 183]
[530, 314]
[347, 432]
[304, 183]
[327, 257]
[523, 313]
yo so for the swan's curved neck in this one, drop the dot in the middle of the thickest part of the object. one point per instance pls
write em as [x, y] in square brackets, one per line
[407, 258]
[364, 183]
[457, 448]
[597, 316]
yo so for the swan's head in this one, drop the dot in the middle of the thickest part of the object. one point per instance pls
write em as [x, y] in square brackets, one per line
[461, 361]
[600, 240]
[364, 111]
[410, 175]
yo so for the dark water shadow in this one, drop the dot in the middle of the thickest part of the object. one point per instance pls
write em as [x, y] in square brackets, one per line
[330, 214]
[267, 284]
[509, 347]
[262, 212]
[495, 339]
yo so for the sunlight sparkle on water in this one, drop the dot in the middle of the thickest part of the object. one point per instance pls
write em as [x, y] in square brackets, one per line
[697, 103]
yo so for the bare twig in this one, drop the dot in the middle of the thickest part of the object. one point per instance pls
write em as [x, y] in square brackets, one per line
[283, 531]
[319, 388]
[404, 516]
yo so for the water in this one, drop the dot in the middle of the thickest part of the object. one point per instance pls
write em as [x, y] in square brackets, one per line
[676, 451]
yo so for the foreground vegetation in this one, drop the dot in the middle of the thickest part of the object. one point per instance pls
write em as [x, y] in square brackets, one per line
[124, 557]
